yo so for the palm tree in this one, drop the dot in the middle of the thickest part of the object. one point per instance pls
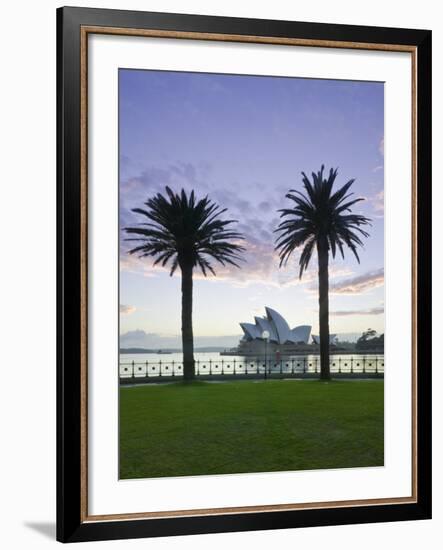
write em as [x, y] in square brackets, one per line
[320, 219]
[185, 233]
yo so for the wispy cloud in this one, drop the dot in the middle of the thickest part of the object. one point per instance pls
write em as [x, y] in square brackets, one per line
[376, 205]
[255, 221]
[134, 191]
[371, 311]
[378, 201]
[360, 284]
[290, 275]
[127, 310]
[141, 266]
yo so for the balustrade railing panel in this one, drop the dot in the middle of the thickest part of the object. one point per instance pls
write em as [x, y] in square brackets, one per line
[248, 366]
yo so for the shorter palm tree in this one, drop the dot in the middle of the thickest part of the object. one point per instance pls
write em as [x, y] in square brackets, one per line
[186, 233]
[320, 220]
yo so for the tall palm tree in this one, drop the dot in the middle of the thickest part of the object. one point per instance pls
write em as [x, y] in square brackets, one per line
[185, 233]
[320, 220]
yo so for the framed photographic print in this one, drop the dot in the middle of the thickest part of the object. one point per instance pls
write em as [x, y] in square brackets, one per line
[244, 274]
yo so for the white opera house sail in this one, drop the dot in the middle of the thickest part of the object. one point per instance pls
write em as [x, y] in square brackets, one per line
[275, 330]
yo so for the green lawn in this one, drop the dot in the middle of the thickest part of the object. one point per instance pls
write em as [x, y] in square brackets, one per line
[247, 426]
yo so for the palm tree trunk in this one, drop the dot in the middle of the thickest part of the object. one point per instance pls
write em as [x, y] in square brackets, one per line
[187, 333]
[323, 299]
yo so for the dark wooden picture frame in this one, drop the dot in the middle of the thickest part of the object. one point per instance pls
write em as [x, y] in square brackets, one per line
[73, 26]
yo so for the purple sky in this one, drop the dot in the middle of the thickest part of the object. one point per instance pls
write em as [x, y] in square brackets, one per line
[244, 140]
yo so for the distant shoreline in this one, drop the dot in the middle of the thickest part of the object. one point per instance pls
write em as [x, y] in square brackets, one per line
[225, 352]
[312, 352]
[207, 349]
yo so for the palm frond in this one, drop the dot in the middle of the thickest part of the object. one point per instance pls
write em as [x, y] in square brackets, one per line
[183, 230]
[320, 214]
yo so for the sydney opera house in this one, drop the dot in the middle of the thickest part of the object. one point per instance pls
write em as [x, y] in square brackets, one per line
[277, 328]
[274, 330]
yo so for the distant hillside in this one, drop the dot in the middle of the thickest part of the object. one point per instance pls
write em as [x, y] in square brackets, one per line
[139, 339]
[207, 349]
[144, 350]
